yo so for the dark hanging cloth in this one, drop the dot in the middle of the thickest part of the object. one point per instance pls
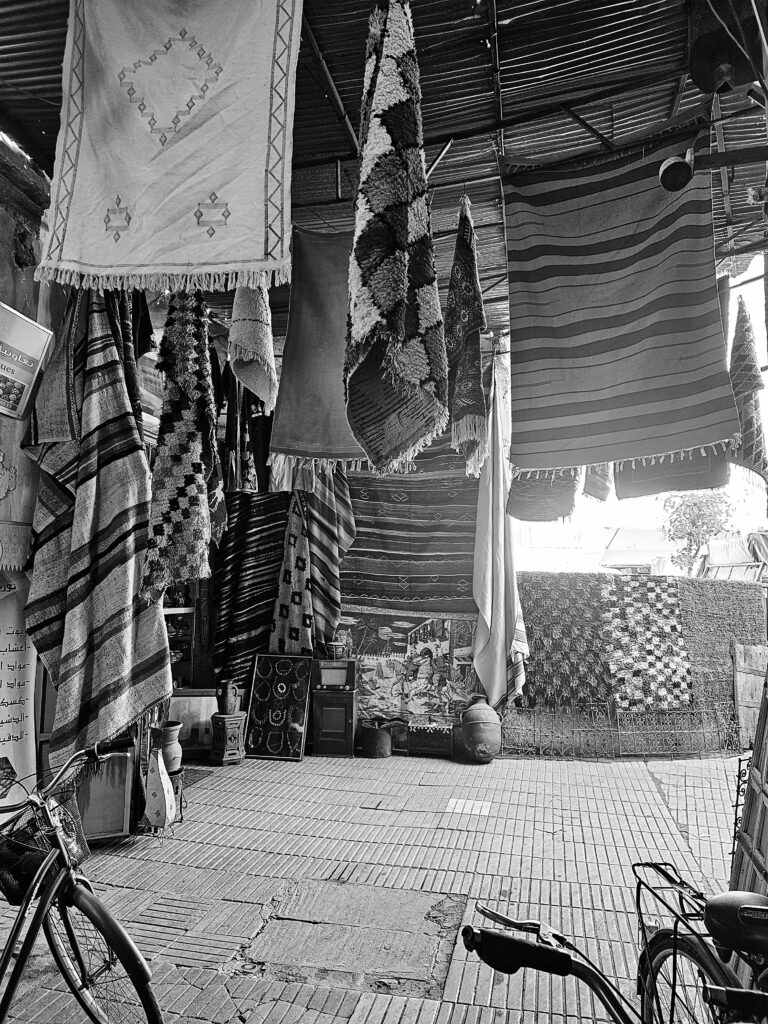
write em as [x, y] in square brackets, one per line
[597, 482]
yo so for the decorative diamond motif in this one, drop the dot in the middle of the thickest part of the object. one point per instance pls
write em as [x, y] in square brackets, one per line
[212, 215]
[207, 75]
[117, 219]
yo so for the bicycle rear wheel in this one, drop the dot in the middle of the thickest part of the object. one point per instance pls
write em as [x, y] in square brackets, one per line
[686, 963]
[99, 961]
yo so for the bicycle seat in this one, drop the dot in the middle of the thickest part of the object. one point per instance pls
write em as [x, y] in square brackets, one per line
[738, 920]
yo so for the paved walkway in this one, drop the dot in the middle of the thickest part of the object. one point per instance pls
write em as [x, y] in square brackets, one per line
[332, 891]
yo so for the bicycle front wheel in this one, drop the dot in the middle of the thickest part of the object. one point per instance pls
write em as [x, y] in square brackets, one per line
[673, 971]
[99, 961]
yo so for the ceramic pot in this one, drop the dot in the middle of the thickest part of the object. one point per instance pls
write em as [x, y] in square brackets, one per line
[375, 741]
[481, 730]
[228, 699]
[171, 746]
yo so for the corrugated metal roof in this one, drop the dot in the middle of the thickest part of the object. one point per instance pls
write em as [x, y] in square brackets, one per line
[614, 64]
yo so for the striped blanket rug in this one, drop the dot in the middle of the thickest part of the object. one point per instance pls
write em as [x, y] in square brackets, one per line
[105, 647]
[246, 580]
[414, 550]
[331, 528]
[616, 343]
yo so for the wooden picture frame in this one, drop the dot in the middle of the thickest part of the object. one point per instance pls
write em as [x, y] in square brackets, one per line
[277, 705]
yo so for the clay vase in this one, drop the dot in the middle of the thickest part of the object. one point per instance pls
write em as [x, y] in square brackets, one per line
[171, 746]
[228, 698]
[481, 730]
[160, 809]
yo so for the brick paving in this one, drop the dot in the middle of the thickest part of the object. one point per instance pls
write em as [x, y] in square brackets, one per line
[332, 891]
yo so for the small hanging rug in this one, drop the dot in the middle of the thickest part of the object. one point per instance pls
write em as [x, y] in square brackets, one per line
[173, 161]
[395, 371]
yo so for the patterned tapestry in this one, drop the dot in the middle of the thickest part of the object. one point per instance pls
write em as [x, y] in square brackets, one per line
[292, 620]
[411, 665]
[647, 653]
[276, 721]
[616, 341]
[173, 161]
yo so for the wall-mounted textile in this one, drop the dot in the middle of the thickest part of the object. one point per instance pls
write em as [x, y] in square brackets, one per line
[616, 342]
[310, 429]
[415, 540]
[543, 498]
[690, 473]
[647, 653]
[411, 665]
[331, 529]
[180, 520]
[464, 319]
[277, 708]
[747, 382]
[173, 161]
[500, 628]
[292, 619]
[104, 645]
[395, 369]
[246, 580]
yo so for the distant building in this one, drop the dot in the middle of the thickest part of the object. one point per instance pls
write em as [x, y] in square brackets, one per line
[640, 551]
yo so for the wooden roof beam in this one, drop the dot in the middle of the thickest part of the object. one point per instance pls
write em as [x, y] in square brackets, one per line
[333, 92]
[677, 98]
[589, 128]
[493, 44]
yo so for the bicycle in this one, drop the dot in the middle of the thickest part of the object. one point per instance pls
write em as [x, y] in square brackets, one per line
[41, 849]
[683, 972]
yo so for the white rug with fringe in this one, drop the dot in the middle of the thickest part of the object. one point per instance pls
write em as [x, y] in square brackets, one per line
[173, 161]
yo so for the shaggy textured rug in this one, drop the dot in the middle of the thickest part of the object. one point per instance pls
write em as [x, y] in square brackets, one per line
[251, 347]
[644, 643]
[104, 645]
[615, 336]
[395, 369]
[292, 620]
[747, 382]
[464, 319]
[180, 524]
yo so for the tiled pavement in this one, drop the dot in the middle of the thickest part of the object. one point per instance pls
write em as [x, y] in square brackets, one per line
[331, 891]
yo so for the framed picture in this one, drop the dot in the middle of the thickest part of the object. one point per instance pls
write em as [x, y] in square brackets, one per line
[276, 723]
[23, 345]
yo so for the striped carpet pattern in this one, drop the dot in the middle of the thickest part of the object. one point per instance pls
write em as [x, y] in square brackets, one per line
[414, 550]
[616, 343]
[331, 529]
[105, 647]
[246, 576]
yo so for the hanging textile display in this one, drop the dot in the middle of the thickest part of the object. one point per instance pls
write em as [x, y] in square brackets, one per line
[747, 382]
[251, 346]
[180, 521]
[18, 488]
[693, 472]
[415, 542]
[544, 498]
[104, 645]
[615, 335]
[310, 429]
[464, 319]
[246, 580]
[500, 630]
[173, 161]
[395, 369]
[331, 530]
[597, 481]
[292, 621]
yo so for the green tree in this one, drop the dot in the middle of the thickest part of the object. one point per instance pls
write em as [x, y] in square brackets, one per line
[692, 519]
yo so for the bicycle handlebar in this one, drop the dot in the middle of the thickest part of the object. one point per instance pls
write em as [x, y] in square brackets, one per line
[507, 954]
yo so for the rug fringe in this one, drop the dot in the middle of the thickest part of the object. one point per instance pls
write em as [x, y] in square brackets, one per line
[471, 429]
[712, 448]
[287, 470]
[169, 281]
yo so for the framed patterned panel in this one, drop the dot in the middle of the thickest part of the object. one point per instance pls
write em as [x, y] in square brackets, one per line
[276, 724]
